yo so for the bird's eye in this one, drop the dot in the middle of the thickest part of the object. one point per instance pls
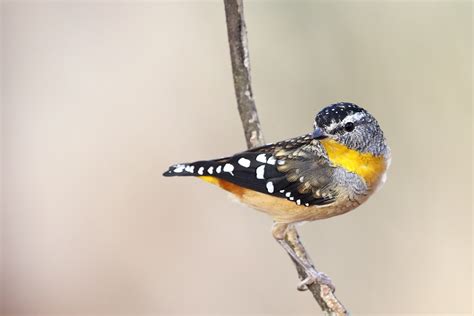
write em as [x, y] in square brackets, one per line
[349, 127]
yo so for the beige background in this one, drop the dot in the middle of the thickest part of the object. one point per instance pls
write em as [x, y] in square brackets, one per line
[99, 98]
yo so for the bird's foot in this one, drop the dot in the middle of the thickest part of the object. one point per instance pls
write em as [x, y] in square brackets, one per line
[315, 276]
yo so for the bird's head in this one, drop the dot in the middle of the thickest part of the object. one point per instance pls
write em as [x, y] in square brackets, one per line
[351, 126]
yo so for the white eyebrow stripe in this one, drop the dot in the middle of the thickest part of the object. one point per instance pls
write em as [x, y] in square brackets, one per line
[350, 118]
[353, 117]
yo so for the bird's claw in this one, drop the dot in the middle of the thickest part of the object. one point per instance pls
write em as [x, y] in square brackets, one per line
[314, 276]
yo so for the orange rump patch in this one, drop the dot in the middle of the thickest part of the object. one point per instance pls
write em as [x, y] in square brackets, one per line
[226, 185]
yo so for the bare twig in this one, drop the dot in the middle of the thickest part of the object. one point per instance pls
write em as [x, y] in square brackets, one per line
[237, 34]
[321, 292]
[239, 53]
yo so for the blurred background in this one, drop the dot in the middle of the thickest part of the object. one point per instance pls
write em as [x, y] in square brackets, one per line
[99, 98]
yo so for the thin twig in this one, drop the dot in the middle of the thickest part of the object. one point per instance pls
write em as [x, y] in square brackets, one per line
[239, 53]
[321, 292]
[237, 35]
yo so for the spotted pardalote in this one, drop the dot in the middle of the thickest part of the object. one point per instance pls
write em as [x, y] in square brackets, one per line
[327, 172]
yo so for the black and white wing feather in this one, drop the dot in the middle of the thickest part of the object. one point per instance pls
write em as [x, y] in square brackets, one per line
[296, 169]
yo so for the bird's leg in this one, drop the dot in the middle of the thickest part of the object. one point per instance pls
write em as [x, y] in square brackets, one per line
[295, 243]
[287, 236]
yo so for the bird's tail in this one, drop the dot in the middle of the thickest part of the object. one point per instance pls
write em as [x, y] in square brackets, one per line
[196, 169]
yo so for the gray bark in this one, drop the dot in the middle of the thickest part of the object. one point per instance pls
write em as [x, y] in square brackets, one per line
[239, 52]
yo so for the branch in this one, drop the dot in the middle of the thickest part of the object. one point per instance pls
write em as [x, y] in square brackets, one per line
[321, 292]
[239, 53]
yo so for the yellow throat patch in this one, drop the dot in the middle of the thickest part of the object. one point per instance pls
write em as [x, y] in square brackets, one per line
[365, 165]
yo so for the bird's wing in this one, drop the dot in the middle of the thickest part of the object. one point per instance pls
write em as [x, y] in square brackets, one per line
[296, 169]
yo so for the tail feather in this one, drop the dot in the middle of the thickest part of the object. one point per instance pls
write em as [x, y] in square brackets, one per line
[196, 169]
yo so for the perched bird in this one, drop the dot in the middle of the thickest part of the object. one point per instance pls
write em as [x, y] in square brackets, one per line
[326, 173]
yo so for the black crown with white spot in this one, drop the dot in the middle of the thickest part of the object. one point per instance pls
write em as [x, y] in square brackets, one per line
[335, 113]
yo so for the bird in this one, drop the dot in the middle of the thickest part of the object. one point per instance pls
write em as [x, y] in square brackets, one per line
[327, 172]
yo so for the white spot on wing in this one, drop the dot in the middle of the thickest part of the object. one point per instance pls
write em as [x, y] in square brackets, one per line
[271, 160]
[260, 172]
[189, 169]
[228, 168]
[179, 168]
[244, 162]
[298, 202]
[288, 194]
[218, 169]
[201, 171]
[210, 170]
[270, 187]
[261, 158]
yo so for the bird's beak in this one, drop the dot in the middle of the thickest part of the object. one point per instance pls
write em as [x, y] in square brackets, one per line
[319, 134]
